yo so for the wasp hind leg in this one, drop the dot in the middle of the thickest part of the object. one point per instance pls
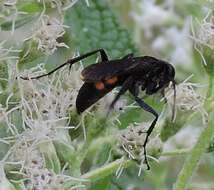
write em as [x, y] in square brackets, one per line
[103, 54]
[70, 62]
[149, 109]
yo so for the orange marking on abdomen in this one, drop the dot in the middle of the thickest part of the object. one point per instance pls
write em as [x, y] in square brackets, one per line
[99, 85]
[112, 80]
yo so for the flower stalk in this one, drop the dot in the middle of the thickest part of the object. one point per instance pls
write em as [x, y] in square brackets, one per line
[107, 169]
[193, 159]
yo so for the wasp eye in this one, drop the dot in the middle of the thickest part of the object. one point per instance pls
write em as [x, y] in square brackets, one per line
[170, 71]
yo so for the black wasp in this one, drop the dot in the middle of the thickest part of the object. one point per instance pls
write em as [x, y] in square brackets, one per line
[130, 73]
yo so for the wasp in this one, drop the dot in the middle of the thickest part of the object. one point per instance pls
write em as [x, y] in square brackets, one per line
[130, 73]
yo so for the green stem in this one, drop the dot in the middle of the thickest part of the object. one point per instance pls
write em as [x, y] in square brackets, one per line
[178, 152]
[193, 159]
[107, 169]
[113, 166]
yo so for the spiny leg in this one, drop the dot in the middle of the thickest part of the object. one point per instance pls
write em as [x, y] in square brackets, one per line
[147, 108]
[125, 86]
[103, 54]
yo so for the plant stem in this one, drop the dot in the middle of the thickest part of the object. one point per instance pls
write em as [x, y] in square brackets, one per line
[113, 166]
[193, 159]
[178, 152]
[107, 169]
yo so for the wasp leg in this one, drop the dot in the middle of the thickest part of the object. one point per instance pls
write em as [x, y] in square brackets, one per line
[103, 54]
[125, 86]
[71, 62]
[147, 108]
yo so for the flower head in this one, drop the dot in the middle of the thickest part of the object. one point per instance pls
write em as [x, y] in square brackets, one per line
[48, 33]
[204, 42]
[44, 179]
[45, 105]
[131, 141]
[187, 99]
[205, 33]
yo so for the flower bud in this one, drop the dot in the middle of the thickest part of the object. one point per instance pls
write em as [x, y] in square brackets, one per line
[204, 40]
[187, 102]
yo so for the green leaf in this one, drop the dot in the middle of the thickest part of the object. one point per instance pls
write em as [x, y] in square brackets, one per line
[20, 21]
[209, 57]
[103, 154]
[30, 55]
[66, 154]
[130, 116]
[31, 7]
[103, 184]
[95, 126]
[96, 27]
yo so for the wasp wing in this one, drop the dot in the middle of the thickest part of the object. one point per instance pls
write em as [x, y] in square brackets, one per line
[88, 95]
[105, 70]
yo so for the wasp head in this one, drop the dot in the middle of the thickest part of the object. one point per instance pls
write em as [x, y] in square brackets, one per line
[160, 74]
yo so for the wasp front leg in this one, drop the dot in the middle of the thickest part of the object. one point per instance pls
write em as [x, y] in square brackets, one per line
[125, 86]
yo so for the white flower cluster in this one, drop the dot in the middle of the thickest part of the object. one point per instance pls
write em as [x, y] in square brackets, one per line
[25, 152]
[5, 53]
[50, 98]
[204, 36]
[49, 30]
[206, 31]
[187, 99]
[132, 139]
[44, 106]
[159, 24]
[45, 179]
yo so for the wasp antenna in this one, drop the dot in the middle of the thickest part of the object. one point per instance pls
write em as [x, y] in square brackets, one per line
[174, 100]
